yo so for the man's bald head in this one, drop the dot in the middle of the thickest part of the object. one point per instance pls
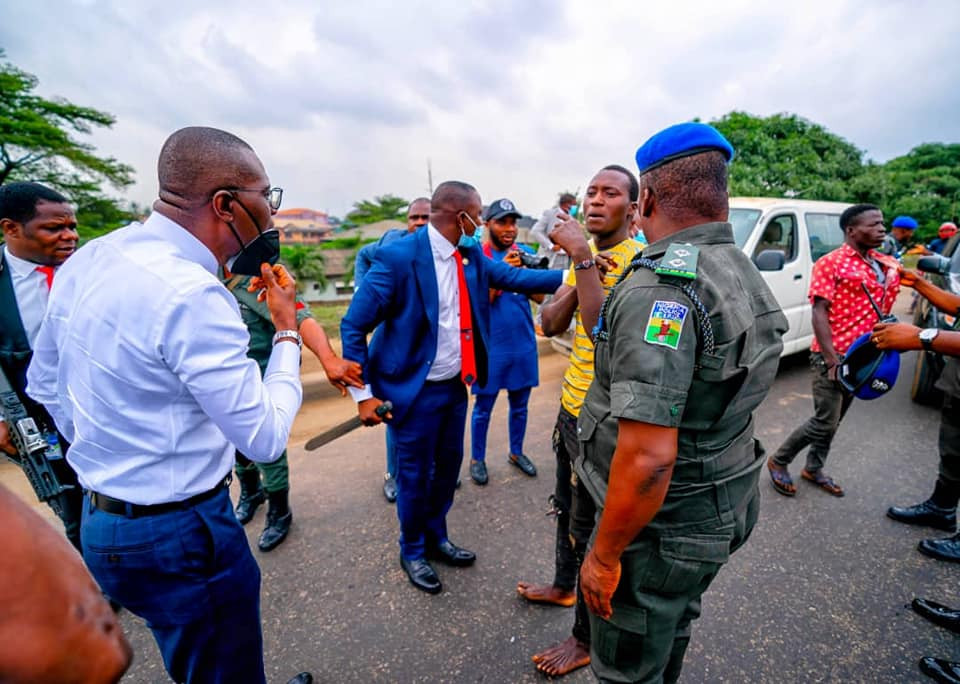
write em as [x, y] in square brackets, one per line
[453, 196]
[197, 160]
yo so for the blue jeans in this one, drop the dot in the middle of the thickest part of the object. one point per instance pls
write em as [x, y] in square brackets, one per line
[190, 574]
[483, 407]
[429, 445]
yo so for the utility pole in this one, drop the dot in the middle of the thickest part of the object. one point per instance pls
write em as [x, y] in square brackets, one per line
[429, 177]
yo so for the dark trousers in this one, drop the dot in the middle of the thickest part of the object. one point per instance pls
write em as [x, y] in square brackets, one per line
[190, 574]
[950, 445]
[480, 421]
[275, 475]
[830, 404]
[576, 513]
[71, 500]
[391, 453]
[429, 445]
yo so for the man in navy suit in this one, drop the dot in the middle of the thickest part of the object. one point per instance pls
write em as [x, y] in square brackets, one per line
[428, 347]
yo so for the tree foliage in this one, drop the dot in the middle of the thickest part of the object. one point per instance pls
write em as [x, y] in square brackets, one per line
[785, 155]
[304, 263]
[380, 208]
[39, 142]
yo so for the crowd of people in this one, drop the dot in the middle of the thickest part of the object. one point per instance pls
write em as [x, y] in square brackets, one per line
[155, 392]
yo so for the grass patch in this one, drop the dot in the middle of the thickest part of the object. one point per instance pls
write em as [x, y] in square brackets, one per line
[328, 315]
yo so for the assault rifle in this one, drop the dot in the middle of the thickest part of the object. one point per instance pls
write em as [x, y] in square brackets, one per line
[34, 447]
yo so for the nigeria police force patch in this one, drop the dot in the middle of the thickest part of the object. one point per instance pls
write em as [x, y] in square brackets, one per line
[665, 324]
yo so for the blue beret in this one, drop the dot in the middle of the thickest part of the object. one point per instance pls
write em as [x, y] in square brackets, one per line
[681, 140]
[907, 222]
[867, 372]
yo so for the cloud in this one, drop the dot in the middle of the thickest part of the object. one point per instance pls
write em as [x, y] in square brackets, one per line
[344, 101]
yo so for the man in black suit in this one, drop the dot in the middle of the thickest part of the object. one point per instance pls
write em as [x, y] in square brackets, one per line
[39, 234]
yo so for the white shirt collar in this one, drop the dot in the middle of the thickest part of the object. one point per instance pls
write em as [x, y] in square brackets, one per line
[191, 248]
[21, 268]
[441, 246]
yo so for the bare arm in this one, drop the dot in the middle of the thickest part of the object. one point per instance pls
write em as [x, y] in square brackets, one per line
[821, 329]
[568, 234]
[555, 315]
[942, 299]
[340, 372]
[904, 337]
[639, 478]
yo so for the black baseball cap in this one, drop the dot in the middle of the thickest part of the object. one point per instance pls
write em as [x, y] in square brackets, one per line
[499, 209]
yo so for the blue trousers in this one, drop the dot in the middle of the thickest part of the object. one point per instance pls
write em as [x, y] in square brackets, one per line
[429, 445]
[391, 453]
[190, 574]
[480, 422]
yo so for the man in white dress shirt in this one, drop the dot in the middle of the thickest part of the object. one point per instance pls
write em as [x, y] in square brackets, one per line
[39, 233]
[141, 360]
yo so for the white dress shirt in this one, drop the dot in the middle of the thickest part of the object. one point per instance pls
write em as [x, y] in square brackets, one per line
[142, 362]
[31, 291]
[446, 362]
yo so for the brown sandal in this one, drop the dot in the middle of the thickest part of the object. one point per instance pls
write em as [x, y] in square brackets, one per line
[823, 482]
[781, 480]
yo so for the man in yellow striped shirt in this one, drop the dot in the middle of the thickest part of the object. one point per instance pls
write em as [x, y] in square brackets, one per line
[608, 208]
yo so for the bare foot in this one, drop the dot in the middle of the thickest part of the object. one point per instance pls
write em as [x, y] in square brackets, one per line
[546, 594]
[563, 658]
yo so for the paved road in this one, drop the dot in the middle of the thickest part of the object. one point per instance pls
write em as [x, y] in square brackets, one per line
[820, 593]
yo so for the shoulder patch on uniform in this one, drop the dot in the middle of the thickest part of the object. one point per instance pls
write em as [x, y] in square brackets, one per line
[680, 261]
[665, 324]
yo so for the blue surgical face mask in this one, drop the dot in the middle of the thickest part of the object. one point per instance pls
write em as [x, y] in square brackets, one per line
[467, 241]
[573, 211]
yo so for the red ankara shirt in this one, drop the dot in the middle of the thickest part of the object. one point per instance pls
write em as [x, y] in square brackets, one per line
[837, 278]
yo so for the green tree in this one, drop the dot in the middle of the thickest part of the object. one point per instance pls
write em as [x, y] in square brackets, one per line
[785, 155]
[305, 263]
[380, 208]
[924, 184]
[38, 143]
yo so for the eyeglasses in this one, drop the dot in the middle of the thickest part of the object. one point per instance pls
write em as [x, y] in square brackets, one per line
[273, 195]
[418, 217]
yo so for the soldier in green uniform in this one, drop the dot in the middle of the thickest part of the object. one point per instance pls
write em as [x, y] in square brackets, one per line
[275, 487]
[687, 346]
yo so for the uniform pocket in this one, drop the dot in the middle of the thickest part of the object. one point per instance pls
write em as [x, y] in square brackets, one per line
[684, 561]
[619, 641]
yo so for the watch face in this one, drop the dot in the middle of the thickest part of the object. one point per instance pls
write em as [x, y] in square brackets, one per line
[928, 334]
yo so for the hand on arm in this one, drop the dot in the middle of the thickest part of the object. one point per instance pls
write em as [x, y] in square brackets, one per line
[340, 372]
[639, 478]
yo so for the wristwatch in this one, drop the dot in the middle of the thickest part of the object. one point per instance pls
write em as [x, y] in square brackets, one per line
[927, 336]
[584, 265]
[288, 334]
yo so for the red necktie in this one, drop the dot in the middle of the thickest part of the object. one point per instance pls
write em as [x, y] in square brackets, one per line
[47, 271]
[468, 360]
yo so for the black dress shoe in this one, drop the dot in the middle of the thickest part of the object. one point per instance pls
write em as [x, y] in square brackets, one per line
[389, 488]
[478, 472]
[941, 670]
[302, 678]
[451, 554]
[942, 549]
[938, 614]
[523, 463]
[279, 519]
[421, 575]
[926, 513]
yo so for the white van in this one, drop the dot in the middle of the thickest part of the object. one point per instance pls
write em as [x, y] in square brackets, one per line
[801, 230]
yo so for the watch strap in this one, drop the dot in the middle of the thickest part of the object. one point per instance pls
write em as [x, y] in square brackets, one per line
[288, 334]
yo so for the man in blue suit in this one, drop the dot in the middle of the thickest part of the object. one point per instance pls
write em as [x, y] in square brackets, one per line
[428, 347]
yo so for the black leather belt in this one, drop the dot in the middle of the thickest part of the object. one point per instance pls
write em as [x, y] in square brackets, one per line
[118, 507]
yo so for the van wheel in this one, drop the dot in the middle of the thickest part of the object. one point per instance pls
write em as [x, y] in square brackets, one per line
[925, 374]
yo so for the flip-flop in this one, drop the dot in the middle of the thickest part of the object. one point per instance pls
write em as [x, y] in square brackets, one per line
[823, 482]
[781, 480]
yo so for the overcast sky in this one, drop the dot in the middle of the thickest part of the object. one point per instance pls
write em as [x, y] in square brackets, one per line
[347, 100]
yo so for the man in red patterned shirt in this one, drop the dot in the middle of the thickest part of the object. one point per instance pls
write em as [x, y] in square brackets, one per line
[842, 312]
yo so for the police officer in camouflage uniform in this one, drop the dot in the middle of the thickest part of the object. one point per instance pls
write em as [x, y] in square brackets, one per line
[275, 487]
[687, 346]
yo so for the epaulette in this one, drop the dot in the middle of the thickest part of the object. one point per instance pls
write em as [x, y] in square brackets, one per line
[679, 266]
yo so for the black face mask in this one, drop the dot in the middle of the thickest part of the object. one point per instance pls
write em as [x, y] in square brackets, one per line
[263, 248]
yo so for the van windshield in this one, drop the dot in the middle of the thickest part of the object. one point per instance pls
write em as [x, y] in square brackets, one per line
[743, 221]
